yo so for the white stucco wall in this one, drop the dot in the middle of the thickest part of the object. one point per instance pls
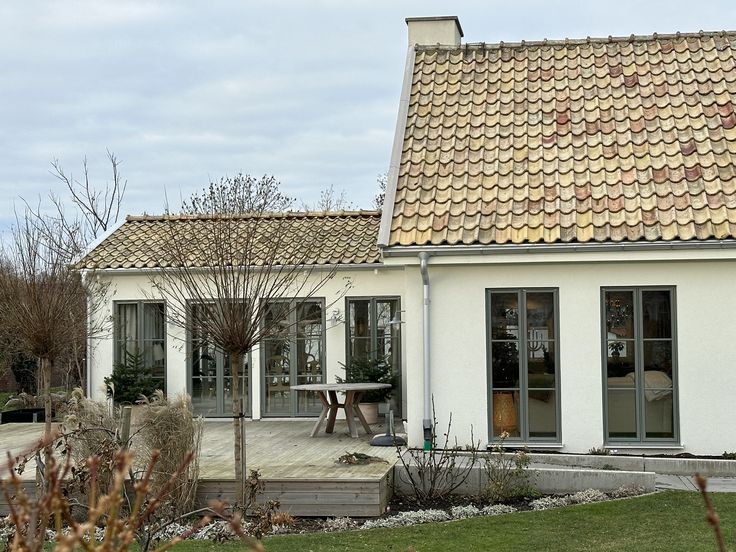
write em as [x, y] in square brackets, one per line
[706, 328]
[705, 303]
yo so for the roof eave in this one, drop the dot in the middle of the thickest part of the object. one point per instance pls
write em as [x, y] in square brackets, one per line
[454, 250]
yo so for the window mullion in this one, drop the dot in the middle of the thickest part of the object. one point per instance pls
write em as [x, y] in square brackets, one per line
[373, 323]
[639, 364]
[523, 367]
[141, 328]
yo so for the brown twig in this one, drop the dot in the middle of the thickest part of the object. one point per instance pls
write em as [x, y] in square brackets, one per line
[711, 516]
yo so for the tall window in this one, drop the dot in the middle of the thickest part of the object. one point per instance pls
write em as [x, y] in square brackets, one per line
[211, 380]
[523, 364]
[293, 355]
[640, 375]
[373, 331]
[140, 329]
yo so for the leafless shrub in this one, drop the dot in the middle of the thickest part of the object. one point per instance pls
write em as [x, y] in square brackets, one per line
[436, 473]
[506, 472]
[170, 427]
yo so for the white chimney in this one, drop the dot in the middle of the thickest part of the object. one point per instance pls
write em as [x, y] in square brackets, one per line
[429, 31]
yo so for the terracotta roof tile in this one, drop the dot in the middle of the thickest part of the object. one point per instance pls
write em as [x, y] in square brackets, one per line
[342, 237]
[593, 140]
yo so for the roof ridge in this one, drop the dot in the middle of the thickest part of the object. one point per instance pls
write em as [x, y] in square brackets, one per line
[275, 214]
[573, 41]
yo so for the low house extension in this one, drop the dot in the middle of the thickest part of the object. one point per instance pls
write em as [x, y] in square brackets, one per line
[350, 316]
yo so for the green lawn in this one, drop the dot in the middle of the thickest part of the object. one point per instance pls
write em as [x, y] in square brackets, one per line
[666, 521]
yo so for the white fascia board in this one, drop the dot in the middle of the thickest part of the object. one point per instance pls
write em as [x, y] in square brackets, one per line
[392, 179]
[338, 268]
[580, 252]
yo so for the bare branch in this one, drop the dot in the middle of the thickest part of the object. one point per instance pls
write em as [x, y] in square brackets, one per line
[330, 200]
[99, 208]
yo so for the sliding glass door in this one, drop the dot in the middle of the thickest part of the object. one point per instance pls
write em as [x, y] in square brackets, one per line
[211, 381]
[293, 354]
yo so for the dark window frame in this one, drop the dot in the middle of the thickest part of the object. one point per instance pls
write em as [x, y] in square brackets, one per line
[523, 366]
[220, 367]
[399, 368]
[642, 441]
[139, 329]
[295, 302]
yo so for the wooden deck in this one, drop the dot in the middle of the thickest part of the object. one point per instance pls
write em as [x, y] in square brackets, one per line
[301, 472]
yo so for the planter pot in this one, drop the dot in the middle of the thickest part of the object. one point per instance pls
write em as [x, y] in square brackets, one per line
[23, 415]
[504, 413]
[370, 412]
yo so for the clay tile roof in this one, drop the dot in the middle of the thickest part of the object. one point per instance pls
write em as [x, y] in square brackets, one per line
[597, 140]
[343, 237]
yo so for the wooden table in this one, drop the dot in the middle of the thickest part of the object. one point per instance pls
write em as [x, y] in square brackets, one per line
[330, 404]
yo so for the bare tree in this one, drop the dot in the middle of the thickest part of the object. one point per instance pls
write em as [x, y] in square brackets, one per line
[43, 301]
[229, 254]
[330, 200]
[54, 238]
[379, 198]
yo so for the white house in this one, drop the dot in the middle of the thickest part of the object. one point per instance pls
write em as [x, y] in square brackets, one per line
[558, 242]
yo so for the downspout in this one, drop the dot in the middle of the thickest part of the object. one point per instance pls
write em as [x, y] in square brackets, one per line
[427, 421]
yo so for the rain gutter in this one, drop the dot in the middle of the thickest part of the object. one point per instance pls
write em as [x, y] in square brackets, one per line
[454, 250]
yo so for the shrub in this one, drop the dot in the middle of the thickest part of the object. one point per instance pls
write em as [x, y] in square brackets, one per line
[130, 379]
[498, 509]
[626, 491]
[169, 427]
[507, 473]
[436, 473]
[464, 512]
[370, 370]
[25, 400]
[91, 430]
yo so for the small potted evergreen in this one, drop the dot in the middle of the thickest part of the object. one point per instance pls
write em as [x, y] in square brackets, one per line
[370, 370]
[131, 380]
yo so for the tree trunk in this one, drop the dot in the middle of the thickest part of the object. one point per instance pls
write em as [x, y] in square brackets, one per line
[46, 385]
[237, 420]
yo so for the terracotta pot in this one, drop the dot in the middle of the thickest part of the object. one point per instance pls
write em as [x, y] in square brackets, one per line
[370, 412]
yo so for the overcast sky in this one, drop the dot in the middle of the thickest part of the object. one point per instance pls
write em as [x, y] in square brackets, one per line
[184, 92]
